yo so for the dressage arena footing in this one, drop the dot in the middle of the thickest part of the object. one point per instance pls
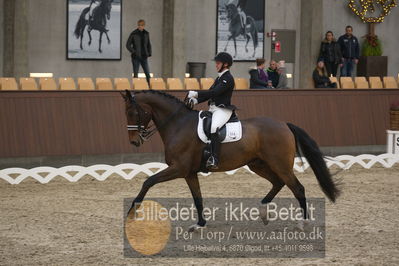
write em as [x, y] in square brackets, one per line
[65, 223]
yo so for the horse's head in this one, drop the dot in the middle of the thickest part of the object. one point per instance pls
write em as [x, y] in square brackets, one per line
[107, 6]
[231, 11]
[138, 117]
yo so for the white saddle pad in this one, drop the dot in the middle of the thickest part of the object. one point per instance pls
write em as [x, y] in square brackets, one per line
[233, 131]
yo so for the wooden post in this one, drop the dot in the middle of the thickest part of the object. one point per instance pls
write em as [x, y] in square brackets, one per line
[372, 29]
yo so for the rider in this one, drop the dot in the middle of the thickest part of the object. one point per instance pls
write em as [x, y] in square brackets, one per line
[95, 3]
[219, 96]
[240, 8]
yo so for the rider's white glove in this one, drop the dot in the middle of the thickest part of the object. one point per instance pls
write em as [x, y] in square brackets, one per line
[194, 101]
[192, 94]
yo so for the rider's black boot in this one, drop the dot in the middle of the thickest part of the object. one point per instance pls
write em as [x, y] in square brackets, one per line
[213, 161]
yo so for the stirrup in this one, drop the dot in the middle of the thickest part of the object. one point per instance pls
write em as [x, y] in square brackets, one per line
[212, 163]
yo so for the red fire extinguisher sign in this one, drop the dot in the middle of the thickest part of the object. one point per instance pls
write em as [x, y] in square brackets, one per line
[277, 48]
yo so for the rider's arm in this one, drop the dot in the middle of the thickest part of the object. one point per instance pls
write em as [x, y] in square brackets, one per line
[223, 86]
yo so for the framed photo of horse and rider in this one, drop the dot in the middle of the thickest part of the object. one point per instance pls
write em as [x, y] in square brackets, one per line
[240, 28]
[94, 29]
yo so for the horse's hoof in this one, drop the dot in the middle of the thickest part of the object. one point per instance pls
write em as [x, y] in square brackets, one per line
[195, 228]
[301, 225]
[100, 51]
[263, 214]
[109, 42]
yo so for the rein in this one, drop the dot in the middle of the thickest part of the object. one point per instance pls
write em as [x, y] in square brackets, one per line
[146, 133]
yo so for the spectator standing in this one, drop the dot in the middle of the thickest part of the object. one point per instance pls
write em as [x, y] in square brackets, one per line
[272, 73]
[320, 78]
[258, 75]
[350, 51]
[139, 46]
[330, 53]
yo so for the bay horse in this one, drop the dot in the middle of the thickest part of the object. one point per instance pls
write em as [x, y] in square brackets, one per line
[267, 146]
[98, 21]
[236, 29]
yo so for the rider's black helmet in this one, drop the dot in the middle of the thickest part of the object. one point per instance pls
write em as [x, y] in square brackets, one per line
[225, 58]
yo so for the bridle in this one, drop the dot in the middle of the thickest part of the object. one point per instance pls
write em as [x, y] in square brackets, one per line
[146, 133]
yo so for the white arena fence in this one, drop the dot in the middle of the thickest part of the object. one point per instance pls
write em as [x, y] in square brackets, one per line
[74, 173]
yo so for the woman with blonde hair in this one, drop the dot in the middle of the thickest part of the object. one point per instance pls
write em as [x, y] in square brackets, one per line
[320, 77]
[330, 53]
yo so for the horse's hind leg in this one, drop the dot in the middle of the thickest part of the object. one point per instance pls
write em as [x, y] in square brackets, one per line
[297, 189]
[235, 47]
[246, 45]
[81, 33]
[263, 170]
[89, 32]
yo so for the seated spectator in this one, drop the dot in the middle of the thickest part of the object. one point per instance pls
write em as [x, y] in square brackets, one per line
[320, 77]
[282, 80]
[270, 85]
[272, 73]
[259, 77]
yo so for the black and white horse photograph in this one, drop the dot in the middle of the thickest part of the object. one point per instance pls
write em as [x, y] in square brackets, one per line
[94, 29]
[240, 28]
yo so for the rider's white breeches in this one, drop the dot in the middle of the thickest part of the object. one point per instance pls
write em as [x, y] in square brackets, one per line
[220, 117]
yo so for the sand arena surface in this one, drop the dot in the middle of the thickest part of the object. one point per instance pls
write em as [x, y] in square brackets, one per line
[82, 223]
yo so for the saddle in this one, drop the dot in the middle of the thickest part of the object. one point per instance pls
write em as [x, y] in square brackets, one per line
[230, 132]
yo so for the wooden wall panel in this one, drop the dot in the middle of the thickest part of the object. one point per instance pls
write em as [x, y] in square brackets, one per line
[92, 122]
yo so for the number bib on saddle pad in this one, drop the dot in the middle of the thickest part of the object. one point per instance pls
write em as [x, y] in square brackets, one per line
[230, 132]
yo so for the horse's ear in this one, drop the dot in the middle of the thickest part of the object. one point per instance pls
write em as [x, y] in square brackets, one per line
[129, 95]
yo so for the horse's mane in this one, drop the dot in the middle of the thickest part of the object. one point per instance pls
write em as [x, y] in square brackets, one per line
[166, 95]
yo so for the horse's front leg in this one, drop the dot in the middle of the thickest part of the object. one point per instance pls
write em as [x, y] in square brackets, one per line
[169, 173]
[193, 184]
[106, 34]
[100, 40]
[228, 41]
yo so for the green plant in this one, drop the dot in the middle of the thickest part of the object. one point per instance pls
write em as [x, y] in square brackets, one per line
[372, 46]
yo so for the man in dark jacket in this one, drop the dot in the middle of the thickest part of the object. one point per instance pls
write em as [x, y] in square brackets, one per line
[273, 74]
[219, 101]
[139, 46]
[350, 51]
[259, 77]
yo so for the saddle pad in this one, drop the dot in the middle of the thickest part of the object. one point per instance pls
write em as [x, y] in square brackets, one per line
[233, 131]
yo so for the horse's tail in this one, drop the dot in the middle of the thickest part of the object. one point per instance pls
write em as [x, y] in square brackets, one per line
[81, 23]
[316, 161]
[255, 31]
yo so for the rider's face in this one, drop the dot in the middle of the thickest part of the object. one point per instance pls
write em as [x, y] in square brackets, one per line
[219, 66]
